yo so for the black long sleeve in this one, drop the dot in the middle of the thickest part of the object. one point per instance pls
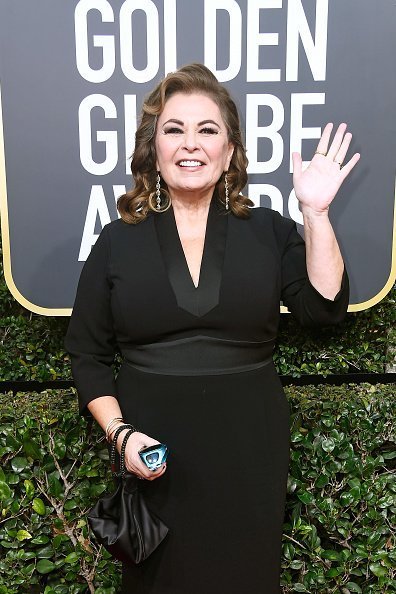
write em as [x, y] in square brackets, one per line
[90, 337]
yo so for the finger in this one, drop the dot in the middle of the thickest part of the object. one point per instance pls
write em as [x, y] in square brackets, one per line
[350, 165]
[136, 472]
[340, 156]
[297, 164]
[135, 465]
[324, 139]
[149, 475]
[147, 472]
[156, 474]
[337, 141]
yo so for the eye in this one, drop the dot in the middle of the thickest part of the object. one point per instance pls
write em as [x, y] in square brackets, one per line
[209, 130]
[173, 130]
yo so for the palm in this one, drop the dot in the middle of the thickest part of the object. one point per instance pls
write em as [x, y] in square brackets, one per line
[317, 185]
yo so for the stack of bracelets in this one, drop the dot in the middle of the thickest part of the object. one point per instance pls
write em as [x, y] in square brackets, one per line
[113, 430]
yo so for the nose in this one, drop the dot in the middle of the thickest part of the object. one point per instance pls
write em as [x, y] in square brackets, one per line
[190, 140]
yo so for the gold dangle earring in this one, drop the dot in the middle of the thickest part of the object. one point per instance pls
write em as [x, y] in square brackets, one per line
[159, 206]
[158, 191]
[227, 199]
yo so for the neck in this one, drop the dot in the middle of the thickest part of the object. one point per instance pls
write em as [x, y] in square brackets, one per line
[191, 204]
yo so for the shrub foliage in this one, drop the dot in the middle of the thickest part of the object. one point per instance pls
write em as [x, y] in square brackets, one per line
[339, 527]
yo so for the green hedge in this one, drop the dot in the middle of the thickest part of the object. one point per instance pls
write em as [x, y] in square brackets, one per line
[339, 529]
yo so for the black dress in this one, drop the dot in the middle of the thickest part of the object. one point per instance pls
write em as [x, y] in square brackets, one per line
[198, 376]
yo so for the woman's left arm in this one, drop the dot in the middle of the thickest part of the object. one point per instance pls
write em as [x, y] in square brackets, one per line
[315, 189]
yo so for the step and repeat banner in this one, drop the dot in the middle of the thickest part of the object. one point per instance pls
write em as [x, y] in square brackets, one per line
[73, 76]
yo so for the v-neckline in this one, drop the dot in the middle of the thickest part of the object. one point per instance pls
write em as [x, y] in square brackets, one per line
[203, 249]
[197, 300]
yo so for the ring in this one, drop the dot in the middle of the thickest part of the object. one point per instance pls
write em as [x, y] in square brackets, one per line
[319, 153]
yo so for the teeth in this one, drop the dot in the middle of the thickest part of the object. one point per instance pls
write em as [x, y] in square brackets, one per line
[190, 163]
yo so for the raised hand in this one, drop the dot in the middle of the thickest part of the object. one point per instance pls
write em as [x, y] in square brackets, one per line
[317, 185]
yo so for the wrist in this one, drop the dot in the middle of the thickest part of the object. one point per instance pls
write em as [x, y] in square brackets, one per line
[112, 426]
[315, 218]
[124, 429]
[120, 438]
[111, 433]
[311, 213]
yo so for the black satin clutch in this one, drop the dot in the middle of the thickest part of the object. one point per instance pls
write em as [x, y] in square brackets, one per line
[123, 524]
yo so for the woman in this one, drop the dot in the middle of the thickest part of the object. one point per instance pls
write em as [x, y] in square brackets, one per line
[187, 286]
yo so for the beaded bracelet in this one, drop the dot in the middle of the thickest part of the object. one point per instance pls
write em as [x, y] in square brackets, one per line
[114, 444]
[122, 452]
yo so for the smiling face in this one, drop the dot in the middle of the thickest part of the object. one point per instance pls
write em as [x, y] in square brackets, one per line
[192, 146]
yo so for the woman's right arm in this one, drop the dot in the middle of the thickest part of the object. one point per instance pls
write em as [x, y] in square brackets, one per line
[91, 343]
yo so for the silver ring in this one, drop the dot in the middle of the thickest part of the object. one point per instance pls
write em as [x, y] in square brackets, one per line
[319, 153]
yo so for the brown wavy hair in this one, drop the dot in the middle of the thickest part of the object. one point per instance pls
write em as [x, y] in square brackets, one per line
[134, 206]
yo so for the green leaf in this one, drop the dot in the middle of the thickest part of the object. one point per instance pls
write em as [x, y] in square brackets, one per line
[361, 551]
[19, 463]
[58, 540]
[39, 506]
[378, 570]
[373, 538]
[331, 555]
[96, 490]
[32, 449]
[389, 455]
[13, 478]
[353, 587]
[72, 557]
[27, 555]
[23, 535]
[60, 448]
[321, 481]
[45, 553]
[296, 564]
[347, 498]
[45, 566]
[333, 572]
[41, 539]
[328, 445]
[305, 497]
[8, 545]
[70, 504]
[5, 491]
[29, 488]
[299, 588]
[15, 506]
[55, 487]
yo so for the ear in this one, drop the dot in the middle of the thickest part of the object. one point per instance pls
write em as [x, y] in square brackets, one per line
[230, 152]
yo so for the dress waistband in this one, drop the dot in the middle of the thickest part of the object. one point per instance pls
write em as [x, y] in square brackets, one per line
[199, 355]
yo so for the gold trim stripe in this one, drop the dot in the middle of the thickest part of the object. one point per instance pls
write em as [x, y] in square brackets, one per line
[5, 233]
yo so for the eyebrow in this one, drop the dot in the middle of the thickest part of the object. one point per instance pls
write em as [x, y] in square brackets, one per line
[180, 123]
